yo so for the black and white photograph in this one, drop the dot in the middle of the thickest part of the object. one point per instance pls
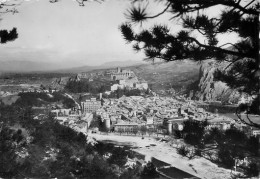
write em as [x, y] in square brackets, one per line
[129, 89]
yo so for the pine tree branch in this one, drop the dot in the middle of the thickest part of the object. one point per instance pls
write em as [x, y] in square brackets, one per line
[225, 3]
[225, 51]
[238, 2]
[243, 9]
[159, 14]
[247, 6]
[249, 3]
[4, 5]
[250, 123]
[230, 44]
[9, 11]
[232, 63]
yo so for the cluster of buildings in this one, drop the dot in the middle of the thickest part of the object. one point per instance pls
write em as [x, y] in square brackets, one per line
[126, 79]
[119, 74]
[130, 83]
[121, 79]
[127, 114]
[130, 114]
[112, 74]
[90, 105]
[75, 118]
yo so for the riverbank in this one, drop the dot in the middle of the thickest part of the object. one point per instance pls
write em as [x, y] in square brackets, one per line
[166, 152]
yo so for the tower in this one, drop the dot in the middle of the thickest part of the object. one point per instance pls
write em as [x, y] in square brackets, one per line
[169, 127]
[107, 123]
[118, 70]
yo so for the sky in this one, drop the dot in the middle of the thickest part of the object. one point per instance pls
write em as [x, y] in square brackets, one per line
[68, 35]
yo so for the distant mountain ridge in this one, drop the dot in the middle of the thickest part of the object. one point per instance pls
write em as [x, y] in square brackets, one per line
[25, 66]
[34, 66]
[107, 65]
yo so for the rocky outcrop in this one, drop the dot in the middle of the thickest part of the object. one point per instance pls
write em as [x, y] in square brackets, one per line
[60, 81]
[64, 80]
[210, 90]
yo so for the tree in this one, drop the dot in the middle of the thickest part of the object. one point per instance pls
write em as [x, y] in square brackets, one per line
[214, 137]
[183, 151]
[147, 91]
[225, 157]
[156, 128]
[149, 171]
[42, 87]
[165, 132]
[252, 170]
[177, 134]
[118, 157]
[150, 131]
[10, 142]
[132, 173]
[135, 130]
[120, 130]
[193, 132]
[5, 35]
[143, 130]
[68, 103]
[127, 130]
[253, 145]
[236, 16]
[233, 144]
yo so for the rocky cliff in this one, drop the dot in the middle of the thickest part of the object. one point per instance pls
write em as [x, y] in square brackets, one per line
[207, 89]
[59, 83]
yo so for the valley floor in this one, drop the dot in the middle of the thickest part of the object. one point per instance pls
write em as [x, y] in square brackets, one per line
[166, 152]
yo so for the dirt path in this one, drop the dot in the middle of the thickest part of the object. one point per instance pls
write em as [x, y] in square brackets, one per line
[165, 152]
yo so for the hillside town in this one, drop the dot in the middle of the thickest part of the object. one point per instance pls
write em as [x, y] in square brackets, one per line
[131, 118]
[145, 115]
[159, 114]
[108, 89]
[133, 112]
[156, 113]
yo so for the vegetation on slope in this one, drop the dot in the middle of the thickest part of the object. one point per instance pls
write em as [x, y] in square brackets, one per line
[45, 149]
[41, 99]
[222, 147]
[85, 87]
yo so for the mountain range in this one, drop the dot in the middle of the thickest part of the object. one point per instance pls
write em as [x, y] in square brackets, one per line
[112, 64]
[32, 66]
